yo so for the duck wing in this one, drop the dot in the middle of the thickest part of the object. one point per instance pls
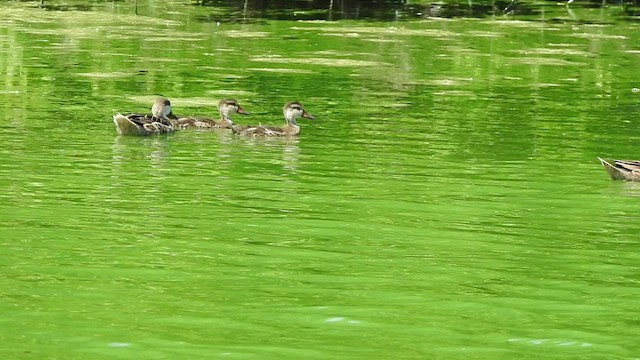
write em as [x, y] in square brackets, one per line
[139, 119]
[631, 165]
[142, 119]
[156, 127]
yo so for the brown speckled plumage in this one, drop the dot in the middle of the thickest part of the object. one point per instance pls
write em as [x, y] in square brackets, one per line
[291, 111]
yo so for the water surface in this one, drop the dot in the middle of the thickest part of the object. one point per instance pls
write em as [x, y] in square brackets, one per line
[445, 203]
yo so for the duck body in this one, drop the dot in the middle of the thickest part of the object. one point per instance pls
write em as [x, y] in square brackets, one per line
[622, 169]
[226, 107]
[260, 130]
[160, 121]
[141, 125]
[291, 111]
[203, 123]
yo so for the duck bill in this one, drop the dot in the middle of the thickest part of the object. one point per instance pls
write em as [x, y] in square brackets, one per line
[241, 111]
[172, 116]
[306, 115]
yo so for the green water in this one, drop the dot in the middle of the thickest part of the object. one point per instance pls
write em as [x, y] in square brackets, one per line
[446, 203]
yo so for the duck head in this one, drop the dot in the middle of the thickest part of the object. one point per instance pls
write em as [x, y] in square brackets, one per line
[161, 109]
[227, 107]
[294, 110]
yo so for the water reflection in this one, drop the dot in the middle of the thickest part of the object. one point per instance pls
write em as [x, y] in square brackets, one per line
[139, 152]
[390, 10]
[287, 150]
[631, 189]
[251, 11]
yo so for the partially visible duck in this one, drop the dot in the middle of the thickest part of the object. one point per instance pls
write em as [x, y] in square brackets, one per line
[622, 169]
[161, 120]
[291, 111]
[226, 108]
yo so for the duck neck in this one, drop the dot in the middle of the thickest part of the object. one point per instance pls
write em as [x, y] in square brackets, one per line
[292, 127]
[291, 120]
[225, 118]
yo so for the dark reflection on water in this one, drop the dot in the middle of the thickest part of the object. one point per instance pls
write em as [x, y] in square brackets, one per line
[380, 10]
[64, 7]
[250, 11]
[391, 10]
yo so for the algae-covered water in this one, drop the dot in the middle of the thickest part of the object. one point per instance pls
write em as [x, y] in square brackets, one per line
[446, 202]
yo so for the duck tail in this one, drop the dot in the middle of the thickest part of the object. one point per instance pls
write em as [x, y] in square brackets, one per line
[124, 126]
[615, 173]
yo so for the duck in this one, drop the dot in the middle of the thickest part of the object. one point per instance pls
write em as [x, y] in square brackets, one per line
[226, 107]
[622, 169]
[160, 121]
[292, 111]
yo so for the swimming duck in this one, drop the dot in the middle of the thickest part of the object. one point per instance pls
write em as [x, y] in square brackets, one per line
[226, 107]
[291, 111]
[622, 169]
[160, 121]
